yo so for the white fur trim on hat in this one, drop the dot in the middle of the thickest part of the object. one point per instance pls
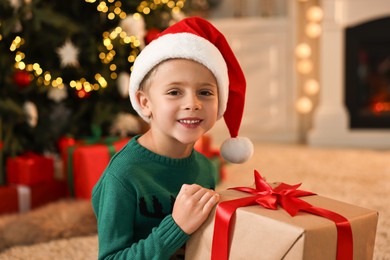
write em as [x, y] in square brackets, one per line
[237, 149]
[186, 46]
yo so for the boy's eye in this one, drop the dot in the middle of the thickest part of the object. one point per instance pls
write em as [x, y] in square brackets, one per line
[173, 92]
[206, 93]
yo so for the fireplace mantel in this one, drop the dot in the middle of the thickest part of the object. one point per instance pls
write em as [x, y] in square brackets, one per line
[331, 125]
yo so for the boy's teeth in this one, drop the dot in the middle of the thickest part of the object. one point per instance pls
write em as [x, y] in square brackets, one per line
[189, 121]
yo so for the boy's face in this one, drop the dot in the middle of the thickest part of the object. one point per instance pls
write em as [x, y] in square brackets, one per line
[181, 99]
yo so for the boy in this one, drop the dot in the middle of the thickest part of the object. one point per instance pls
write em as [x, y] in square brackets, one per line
[158, 190]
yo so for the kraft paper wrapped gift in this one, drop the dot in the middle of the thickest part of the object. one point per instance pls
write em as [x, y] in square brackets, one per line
[260, 233]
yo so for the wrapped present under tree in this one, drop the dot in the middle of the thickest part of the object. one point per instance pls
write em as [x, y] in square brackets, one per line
[29, 169]
[84, 163]
[21, 198]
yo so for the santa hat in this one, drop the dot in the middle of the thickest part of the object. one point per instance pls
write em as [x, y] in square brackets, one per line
[196, 39]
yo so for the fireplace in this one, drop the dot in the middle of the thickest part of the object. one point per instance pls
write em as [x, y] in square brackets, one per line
[367, 78]
[354, 105]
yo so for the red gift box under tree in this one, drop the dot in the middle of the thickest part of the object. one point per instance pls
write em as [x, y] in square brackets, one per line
[84, 163]
[29, 169]
[21, 198]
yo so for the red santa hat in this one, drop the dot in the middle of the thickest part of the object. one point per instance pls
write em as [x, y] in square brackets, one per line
[196, 39]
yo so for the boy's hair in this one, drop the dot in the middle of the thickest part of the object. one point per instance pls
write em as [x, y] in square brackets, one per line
[147, 77]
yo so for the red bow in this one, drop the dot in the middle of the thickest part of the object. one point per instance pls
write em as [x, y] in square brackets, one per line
[284, 195]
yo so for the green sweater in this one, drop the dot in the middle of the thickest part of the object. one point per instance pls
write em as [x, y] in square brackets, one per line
[133, 202]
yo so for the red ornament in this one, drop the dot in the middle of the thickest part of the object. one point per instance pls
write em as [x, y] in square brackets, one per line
[1, 145]
[82, 93]
[22, 78]
[65, 142]
[151, 34]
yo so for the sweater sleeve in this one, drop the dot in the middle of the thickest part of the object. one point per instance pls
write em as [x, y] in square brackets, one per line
[114, 207]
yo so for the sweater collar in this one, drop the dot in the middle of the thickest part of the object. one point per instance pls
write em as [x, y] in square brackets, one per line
[142, 152]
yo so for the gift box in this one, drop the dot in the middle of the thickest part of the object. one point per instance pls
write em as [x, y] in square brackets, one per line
[44, 193]
[204, 146]
[29, 169]
[22, 198]
[9, 199]
[257, 232]
[85, 164]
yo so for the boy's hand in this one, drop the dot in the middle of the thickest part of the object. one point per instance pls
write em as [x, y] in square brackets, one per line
[192, 206]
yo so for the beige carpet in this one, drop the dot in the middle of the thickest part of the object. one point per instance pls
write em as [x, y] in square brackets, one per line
[360, 177]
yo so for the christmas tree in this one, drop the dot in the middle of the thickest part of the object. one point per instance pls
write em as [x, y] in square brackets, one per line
[65, 67]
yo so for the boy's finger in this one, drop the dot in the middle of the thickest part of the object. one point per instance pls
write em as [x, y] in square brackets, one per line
[211, 203]
[189, 189]
[207, 195]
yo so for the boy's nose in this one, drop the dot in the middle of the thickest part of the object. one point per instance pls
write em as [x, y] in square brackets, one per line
[193, 103]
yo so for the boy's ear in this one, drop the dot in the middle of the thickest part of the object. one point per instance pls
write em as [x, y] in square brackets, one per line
[144, 103]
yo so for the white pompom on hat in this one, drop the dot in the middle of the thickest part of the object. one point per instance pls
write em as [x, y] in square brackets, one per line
[197, 39]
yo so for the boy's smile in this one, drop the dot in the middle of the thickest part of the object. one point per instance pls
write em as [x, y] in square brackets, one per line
[191, 123]
[181, 99]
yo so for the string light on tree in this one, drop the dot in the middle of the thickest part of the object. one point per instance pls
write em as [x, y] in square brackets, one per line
[133, 25]
[132, 34]
[84, 51]
[16, 43]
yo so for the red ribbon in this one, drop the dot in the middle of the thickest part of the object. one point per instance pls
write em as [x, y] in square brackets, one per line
[286, 196]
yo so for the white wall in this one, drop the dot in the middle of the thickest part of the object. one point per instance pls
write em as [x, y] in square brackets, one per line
[249, 8]
[264, 48]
